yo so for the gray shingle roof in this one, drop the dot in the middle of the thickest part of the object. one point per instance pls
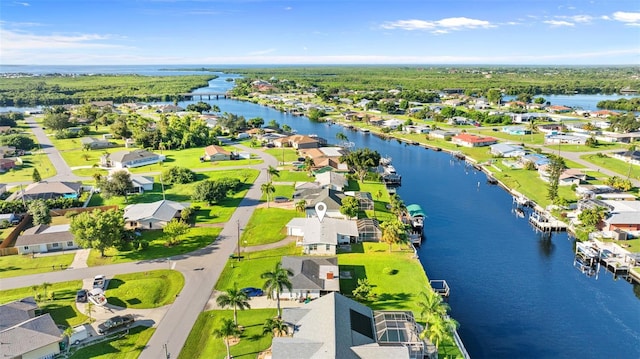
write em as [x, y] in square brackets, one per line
[306, 271]
[43, 234]
[163, 210]
[16, 312]
[128, 156]
[29, 335]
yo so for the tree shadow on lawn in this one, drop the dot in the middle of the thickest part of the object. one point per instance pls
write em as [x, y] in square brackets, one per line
[391, 300]
[60, 312]
[117, 302]
[115, 283]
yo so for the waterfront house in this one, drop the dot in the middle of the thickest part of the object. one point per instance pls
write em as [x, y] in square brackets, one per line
[298, 142]
[506, 150]
[332, 180]
[559, 109]
[331, 198]
[216, 153]
[312, 277]
[568, 177]
[442, 134]
[365, 201]
[470, 140]
[392, 124]
[24, 335]
[334, 326]
[535, 158]
[621, 137]
[94, 143]
[603, 113]
[368, 230]
[623, 216]
[322, 237]
[153, 215]
[459, 121]
[48, 190]
[43, 238]
[632, 157]
[130, 159]
[516, 131]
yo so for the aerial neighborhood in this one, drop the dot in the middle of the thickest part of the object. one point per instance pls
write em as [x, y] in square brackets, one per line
[200, 233]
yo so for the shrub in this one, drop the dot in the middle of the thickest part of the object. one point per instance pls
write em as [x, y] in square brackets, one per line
[389, 271]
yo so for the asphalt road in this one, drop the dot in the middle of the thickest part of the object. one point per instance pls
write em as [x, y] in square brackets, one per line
[201, 270]
[63, 170]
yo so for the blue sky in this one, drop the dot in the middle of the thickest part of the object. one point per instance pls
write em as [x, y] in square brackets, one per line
[102, 32]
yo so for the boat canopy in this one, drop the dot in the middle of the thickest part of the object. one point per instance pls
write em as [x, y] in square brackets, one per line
[415, 211]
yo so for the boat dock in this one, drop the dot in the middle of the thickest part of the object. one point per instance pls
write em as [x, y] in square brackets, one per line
[546, 223]
[593, 254]
[441, 287]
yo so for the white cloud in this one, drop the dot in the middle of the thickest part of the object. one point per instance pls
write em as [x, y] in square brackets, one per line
[288, 8]
[558, 23]
[261, 52]
[630, 18]
[581, 18]
[22, 40]
[438, 26]
[22, 3]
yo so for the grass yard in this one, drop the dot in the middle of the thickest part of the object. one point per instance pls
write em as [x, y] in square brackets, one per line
[380, 197]
[281, 191]
[145, 290]
[267, 225]
[294, 176]
[393, 291]
[24, 172]
[202, 344]
[197, 237]
[128, 346]
[62, 308]
[529, 184]
[246, 273]
[613, 164]
[23, 264]
[290, 154]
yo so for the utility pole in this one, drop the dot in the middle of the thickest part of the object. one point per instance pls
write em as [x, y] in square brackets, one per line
[166, 351]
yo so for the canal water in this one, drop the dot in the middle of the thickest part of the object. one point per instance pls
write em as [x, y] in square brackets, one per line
[514, 291]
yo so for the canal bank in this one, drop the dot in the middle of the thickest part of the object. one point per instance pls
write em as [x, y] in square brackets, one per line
[513, 290]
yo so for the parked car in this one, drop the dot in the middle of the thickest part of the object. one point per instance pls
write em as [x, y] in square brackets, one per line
[79, 334]
[281, 199]
[116, 322]
[81, 296]
[252, 292]
[100, 281]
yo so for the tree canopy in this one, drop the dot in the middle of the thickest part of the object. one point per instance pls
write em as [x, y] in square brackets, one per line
[98, 229]
[361, 160]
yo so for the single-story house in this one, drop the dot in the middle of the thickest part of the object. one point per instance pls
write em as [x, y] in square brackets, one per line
[142, 183]
[469, 140]
[622, 137]
[216, 153]
[568, 177]
[559, 109]
[392, 123]
[365, 200]
[416, 129]
[535, 158]
[562, 138]
[322, 237]
[7, 164]
[6, 151]
[153, 215]
[625, 216]
[442, 134]
[332, 180]
[94, 143]
[47, 190]
[334, 326]
[516, 131]
[459, 121]
[130, 159]
[628, 156]
[27, 336]
[312, 277]
[298, 142]
[507, 150]
[331, 198]
[43, 238]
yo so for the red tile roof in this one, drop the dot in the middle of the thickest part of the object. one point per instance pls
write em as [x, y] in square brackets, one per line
[467, 137]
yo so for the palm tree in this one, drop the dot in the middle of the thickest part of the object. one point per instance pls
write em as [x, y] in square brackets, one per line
[233, 297]
[272, 172]
[301, 205]
[45, 286]
[397, 205]
[308, 165]
[342, 138]
[431, 306]
[268, 189]
[226, 330]
[275, 326]
[277, 280]
[438, 330]
[393, 232]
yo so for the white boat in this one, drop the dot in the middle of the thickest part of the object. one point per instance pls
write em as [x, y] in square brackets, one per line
[97, 297]
[385, 161]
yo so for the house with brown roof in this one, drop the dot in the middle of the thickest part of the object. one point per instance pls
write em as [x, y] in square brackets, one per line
[216, 153]
[24, 335]
[312, 276]
[559, 109]
[47, 190]
[43, 238]
[470, 140]
[7, 164]
[298, 142]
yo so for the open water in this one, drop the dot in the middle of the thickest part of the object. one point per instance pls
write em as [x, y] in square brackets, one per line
[514, 292]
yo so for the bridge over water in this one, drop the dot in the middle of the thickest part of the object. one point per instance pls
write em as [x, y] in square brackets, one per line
[204, 95]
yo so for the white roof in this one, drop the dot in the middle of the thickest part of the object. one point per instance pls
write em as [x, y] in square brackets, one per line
[163, 210]
[325, 232]
[332, 151]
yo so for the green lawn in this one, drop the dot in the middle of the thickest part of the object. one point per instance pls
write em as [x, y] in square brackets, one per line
[294, 176]
[202, 344]
[290, 154]
[145, 290]
[267, 225]
[246, 272]
[281, 191]
[529, 184]
[613, 164]
[62, 308]
[198, 237]
[19, 265]
[393, 291]
[128, 346]
[25, 171]
[380, 203]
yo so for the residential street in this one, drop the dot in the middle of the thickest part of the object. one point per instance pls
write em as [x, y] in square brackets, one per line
[201, 270]
[63, 170]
